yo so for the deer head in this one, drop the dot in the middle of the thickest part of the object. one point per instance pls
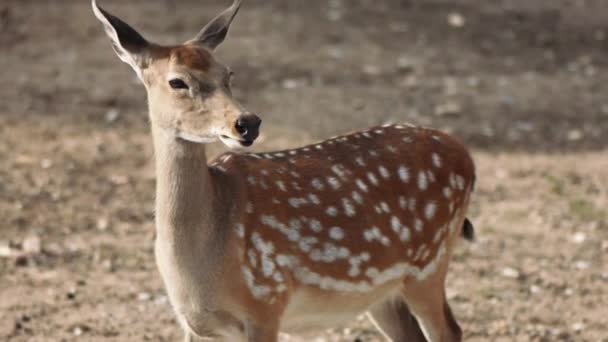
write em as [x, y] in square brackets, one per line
[188, 88]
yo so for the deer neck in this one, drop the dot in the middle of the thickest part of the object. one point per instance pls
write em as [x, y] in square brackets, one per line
[184, 191]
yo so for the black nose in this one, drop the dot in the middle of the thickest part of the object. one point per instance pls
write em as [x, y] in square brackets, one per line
[248, 126]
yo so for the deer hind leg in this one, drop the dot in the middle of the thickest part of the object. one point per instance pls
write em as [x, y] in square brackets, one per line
[428, 303]
[395, 320]
[263, 332]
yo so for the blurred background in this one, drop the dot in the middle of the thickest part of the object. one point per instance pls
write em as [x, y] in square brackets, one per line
[523, 82]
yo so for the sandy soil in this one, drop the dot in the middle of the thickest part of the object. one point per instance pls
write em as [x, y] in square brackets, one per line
[524, 83]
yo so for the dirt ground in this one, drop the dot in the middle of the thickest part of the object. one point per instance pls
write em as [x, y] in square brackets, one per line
[523, 83]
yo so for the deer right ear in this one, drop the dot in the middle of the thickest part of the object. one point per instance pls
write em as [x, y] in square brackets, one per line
[128, 44]
[214, 33]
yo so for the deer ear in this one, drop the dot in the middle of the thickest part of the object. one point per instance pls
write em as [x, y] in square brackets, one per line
[128, 44]
[214, 33]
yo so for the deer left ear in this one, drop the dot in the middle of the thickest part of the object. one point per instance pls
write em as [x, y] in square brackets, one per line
[214, 33]
[128, 44]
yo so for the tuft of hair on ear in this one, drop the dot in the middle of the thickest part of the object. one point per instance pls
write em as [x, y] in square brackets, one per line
[215, 32]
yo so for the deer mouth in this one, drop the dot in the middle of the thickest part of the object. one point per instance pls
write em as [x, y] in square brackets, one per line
[235, 143]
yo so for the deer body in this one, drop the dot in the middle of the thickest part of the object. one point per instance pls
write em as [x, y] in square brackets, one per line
[294, 240]
[314, 235]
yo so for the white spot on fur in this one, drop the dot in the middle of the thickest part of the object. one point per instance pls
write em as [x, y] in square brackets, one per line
[422, 181]
[447, 192]
[317, 184]
[306, 243]
[374, 234]
[349, 209]
[297, 202]
[253, 261]
[281, 186]
[412, 204]
[395, 224]
[372, 178]
[331, 211]
[361, 185]
[402, 202]
[429, 210]
[360, 161]
[240, 230]
[315, 226]
[333, 182]
[404, 174]
[460, 182]
[357, 197]
[336, 233]
[383, 172]
[339, 170]
[249, 208]
[258, 291]
[314, 199]
[436, 160]
[418, 225]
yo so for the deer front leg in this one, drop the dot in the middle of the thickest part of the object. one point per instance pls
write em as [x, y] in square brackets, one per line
[263, 332]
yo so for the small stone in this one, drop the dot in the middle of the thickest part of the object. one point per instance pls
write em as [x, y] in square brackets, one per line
[510, 272]
[405, 64]
[599, 35]
[46, 163]
[161, 300]
[71, 295]
[448, 109]
[119, 179]
[144, 296]
[334, 14]
[32, 245]
[581, 265]
[579, 237]
[575, 135]
[578, 326]
[103, 223]
[371, 70]
[77, 331]
[290, 83]
[534, 289]
[112, 115]
[456, 20]
[5, 249]
[336, 52]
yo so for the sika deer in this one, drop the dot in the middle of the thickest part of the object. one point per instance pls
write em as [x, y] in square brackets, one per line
[308, 238]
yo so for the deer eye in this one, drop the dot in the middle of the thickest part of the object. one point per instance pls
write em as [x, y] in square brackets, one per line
[176, 83]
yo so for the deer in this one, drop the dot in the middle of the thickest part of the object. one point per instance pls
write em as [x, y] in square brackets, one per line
[253, 244]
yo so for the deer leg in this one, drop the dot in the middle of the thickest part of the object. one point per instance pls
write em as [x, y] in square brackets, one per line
[394, 319]
[267, 332]
[427, 301]
[190, 337]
